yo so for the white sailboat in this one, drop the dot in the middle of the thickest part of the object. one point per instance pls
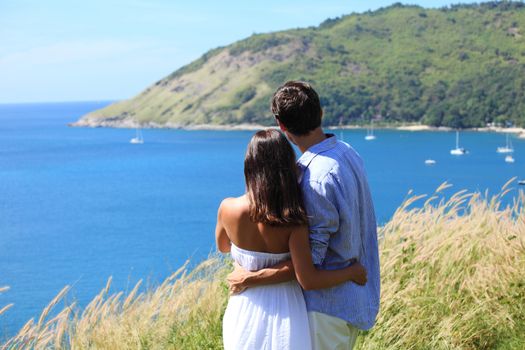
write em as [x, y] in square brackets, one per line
[509, 159]
[458, 151]
[430, 162]
[508, 146]
[138, 139]
[370, 132]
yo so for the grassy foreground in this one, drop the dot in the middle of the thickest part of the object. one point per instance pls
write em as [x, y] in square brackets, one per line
[453, 277]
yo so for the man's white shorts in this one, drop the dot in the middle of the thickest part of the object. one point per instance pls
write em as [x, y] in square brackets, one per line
[331, 333]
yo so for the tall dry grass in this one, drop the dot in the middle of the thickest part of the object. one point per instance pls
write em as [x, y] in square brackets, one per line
[453, 277]
[184, 312]
[8, 306]
[453, 274]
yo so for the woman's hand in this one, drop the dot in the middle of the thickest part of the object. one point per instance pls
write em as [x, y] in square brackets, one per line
[359, 273]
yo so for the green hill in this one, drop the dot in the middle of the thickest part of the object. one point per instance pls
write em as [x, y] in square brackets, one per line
[459, 66]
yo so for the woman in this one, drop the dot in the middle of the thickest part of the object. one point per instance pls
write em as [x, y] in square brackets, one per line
[262, 228]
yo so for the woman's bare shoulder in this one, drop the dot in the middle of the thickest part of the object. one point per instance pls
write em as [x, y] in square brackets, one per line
[234, 206]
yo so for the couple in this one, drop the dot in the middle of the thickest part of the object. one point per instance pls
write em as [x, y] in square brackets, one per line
[309, 224]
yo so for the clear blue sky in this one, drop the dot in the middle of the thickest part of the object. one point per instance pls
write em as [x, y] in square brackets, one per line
[70, 50]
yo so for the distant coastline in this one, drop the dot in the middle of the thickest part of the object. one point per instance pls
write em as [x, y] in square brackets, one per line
[126, 124]
[513, 130]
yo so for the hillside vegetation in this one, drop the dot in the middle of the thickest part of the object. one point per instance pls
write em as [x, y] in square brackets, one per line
[459, 66]
[452, 277]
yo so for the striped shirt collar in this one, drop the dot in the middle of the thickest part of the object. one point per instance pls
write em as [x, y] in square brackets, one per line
[323, 146]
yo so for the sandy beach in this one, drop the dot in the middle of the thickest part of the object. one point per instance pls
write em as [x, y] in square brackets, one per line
[520, 132]
[422, 128]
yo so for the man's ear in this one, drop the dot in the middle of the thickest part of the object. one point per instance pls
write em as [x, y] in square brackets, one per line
[322, 113]
[281, 125]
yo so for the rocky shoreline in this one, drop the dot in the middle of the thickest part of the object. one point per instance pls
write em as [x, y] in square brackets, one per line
[128, 124]
[514, 130]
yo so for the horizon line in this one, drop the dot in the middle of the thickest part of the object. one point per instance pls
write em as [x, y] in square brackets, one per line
[59, 102]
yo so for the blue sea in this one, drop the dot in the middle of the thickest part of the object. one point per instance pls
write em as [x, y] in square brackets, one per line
[78, 205]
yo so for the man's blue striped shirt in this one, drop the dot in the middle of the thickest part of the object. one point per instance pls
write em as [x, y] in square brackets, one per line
[342, 228]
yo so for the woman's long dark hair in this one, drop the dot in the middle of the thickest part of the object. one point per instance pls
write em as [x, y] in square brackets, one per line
[271, 180]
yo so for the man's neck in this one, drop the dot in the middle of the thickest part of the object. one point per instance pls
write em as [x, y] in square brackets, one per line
[313, 138]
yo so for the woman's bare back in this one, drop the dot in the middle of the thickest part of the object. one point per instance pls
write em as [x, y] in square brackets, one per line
[248, 235]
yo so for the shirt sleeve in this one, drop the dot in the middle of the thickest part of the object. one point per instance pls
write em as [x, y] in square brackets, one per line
[323, 216]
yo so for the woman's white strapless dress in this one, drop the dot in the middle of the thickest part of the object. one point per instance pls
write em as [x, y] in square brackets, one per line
[267, 317]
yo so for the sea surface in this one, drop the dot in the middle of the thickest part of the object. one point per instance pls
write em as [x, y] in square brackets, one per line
[78, 205]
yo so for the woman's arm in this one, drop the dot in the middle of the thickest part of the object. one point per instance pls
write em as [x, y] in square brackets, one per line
[221, 237]
[311, 278]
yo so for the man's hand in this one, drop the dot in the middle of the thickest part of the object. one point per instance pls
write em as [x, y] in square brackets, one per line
[237, 280]
[360, 276]
[240, 279]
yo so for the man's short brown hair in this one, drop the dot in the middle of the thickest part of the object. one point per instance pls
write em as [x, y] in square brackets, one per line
[296, 105]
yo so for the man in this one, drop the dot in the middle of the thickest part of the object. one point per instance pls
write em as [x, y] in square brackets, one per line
[341, 221]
